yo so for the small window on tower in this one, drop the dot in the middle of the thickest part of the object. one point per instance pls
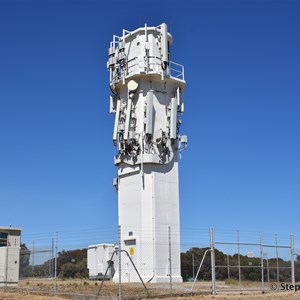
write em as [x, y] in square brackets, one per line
[130, 242]
[130, 233]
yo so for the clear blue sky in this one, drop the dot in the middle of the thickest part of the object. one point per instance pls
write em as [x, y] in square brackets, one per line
[242, 63]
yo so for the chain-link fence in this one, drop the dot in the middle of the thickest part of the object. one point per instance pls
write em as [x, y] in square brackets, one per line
[252, 261]
[123, 263]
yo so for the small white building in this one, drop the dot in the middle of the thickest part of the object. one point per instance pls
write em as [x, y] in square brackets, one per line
[98, 259]
[10, 239]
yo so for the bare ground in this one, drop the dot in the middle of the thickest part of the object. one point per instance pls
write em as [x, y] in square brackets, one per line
[87, 290]
[19, 295]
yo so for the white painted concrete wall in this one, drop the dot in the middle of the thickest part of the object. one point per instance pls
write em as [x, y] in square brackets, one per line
[148, 192]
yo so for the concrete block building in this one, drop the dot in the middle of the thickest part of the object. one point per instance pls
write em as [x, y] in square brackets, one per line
[10, 239]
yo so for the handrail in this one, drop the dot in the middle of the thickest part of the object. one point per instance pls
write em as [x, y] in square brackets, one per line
[176, 70]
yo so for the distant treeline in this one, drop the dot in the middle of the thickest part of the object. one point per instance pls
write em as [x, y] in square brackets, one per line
[70, 264]
[250, 267]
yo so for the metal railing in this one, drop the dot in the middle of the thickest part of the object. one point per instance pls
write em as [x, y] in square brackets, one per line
[152, 66]
[177, 70]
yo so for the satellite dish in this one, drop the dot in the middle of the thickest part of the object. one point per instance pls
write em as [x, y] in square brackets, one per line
[132, 85]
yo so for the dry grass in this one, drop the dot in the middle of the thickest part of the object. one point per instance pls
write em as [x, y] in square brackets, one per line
[267, 296]
[19, 295]
[85, 289]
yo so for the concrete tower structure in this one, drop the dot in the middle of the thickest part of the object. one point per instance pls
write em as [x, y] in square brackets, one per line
[147, 99]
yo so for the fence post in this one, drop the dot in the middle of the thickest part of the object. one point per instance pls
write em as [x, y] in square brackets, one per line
[268, 268]
[292, 260]
[120, 265]
[213, 266]
[193, 264]
[261, 262]
[228, 269]
[170, 261]
[6, 261]
[239, 259]
[32, 268]
[277, 260]
[52, 259]
[55, 264]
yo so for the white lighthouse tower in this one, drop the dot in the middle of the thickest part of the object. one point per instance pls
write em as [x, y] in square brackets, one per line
[147, 99]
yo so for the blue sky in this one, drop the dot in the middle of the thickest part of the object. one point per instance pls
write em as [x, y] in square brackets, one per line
[242, 166]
